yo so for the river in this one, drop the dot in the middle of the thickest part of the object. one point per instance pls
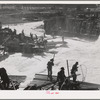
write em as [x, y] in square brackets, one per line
[87, 53]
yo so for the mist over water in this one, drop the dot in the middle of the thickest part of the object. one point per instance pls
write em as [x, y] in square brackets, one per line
[87, 53]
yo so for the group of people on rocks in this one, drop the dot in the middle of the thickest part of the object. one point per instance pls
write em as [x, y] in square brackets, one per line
[63, 81]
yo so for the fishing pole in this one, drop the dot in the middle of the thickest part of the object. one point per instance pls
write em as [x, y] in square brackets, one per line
[68, 75]
[12, 82]
[67, 67]
[54, 56]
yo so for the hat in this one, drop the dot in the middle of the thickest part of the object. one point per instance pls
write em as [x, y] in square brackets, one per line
[52, 59]
[62, 68]
[76, 63]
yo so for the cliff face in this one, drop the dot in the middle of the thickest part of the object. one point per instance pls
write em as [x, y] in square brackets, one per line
[54, 25]
[72, 26]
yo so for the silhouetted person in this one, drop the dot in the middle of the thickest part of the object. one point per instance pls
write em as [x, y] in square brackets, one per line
[36, 37]
[61, 77]
[4, 78]
[22, 31]
[73, 71]
[53, 35]
[14, 32]
[31, 35]
[49, 68]
[62, 39]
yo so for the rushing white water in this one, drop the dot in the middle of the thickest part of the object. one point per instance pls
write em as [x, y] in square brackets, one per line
[27, 27]
[86, 53]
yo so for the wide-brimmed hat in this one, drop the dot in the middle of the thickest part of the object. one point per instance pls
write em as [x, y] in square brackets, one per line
[52, 59]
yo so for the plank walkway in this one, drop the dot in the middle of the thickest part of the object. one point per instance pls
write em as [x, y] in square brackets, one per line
[17, 78]
[42, 81]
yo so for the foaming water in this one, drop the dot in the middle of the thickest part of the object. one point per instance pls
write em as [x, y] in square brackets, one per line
[28, 28]
[86, 53]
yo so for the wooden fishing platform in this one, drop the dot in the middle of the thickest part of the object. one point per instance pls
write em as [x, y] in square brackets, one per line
[89, 86]
[42, 82]
[15, 81]
[17, 78]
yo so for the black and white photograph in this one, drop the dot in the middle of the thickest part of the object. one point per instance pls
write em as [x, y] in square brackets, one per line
[49, 47]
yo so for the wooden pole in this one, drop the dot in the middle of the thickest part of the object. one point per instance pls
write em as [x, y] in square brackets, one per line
[53, 56]
[67, 67]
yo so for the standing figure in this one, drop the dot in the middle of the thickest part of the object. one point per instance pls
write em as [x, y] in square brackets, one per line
[22, 31]
[74, 70]
[32, 38]
[63, 39]
[22, 36]
[14, 32]
[61, 77]
[49, 68]
[4, 78]
[36, 37]
[53, 35]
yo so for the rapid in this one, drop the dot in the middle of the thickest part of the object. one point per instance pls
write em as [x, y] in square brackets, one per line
[87, 53]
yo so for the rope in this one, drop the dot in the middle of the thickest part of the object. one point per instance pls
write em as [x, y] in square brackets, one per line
[84, 76]
[13, 84]
[6, 40]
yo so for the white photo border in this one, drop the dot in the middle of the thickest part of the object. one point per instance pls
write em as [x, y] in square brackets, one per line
[20, 94]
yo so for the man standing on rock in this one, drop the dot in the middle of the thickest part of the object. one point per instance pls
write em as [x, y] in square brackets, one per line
[49, 68]
[74, 70]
